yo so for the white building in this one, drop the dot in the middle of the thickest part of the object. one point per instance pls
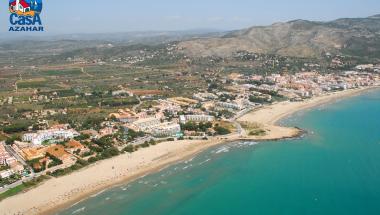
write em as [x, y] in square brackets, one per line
[204, 96]
[166, 130]
[229, 105]
[120, 92]
[6, 173]
[50, 134]
[196, 118]
[4, 155]
[364, 66]
[147, 123]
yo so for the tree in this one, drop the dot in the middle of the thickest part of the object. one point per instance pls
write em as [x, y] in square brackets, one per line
[82, 137]
[17, 127]
[104, 142]
[221, 130]
[145, 144]
[92, 159]
[110, 152]
[130, 148]
[152, 142]
[256, 99]
[11, 140]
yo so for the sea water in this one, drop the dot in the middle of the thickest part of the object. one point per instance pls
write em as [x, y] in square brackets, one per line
[333, 169]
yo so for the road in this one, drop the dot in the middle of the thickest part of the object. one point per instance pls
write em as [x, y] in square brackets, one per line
[17, 183]
[243, 112]
[134, 108]
[11, 151]
[86, 73]
[240, 130]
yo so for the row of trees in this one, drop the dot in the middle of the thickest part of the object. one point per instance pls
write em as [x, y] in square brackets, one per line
[193, 126]
[17, 127]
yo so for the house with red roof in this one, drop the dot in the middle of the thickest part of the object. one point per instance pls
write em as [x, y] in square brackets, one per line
[19, 5]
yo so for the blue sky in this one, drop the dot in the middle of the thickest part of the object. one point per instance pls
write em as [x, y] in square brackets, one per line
[94, 16]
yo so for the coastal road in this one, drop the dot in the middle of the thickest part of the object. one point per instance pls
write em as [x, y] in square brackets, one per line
[243, 112]
[17, 183]
[240, 130]
[11, 151]
[10, 186]
[25, 179]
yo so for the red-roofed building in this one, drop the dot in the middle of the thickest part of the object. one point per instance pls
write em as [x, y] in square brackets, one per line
[73, 146]
[20, 5]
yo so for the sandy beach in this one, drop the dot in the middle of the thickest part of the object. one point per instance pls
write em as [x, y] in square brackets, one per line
[268, 116]
[62, 192]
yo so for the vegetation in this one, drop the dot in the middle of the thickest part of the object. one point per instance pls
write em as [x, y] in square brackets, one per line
[55, 161]
[129, 149]
[82, 137]
[257, 132]
[120, 102]
[61, 72]
[12, 139]
[18, 126]
[78, 165]
[258, 99]
[10, 180]
[104, 153]
[253, 129]
[78, 91]
[193, 126]
[12, 191]
[24, 186]
[221, 130]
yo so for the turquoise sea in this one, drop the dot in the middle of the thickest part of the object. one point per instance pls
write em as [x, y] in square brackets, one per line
[334, 169]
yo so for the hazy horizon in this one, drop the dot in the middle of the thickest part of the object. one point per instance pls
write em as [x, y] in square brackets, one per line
[170, 15]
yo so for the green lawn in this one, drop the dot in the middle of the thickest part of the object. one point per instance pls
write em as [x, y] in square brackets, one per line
[12, 192]
[23, 187]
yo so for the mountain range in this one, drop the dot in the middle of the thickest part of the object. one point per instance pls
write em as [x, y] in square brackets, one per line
[299, 38]
[357, 37]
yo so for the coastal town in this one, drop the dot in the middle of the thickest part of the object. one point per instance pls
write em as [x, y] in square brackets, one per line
[190, 107]
[51, 148]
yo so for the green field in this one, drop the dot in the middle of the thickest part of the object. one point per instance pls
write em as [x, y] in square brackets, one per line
[32, 84]
[72, 72]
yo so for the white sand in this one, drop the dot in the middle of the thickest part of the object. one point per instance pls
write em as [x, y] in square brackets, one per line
[270, 115]
[64, 191]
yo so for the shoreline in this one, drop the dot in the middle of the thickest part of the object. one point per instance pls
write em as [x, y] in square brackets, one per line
[60, 193]
[268, 117]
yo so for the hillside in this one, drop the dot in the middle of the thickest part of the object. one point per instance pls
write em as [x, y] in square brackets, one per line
[300, 38]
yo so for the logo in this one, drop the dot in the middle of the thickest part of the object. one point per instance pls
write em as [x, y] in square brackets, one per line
[25, 15]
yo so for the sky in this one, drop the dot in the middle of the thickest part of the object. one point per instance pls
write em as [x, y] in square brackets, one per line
[101, 16]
